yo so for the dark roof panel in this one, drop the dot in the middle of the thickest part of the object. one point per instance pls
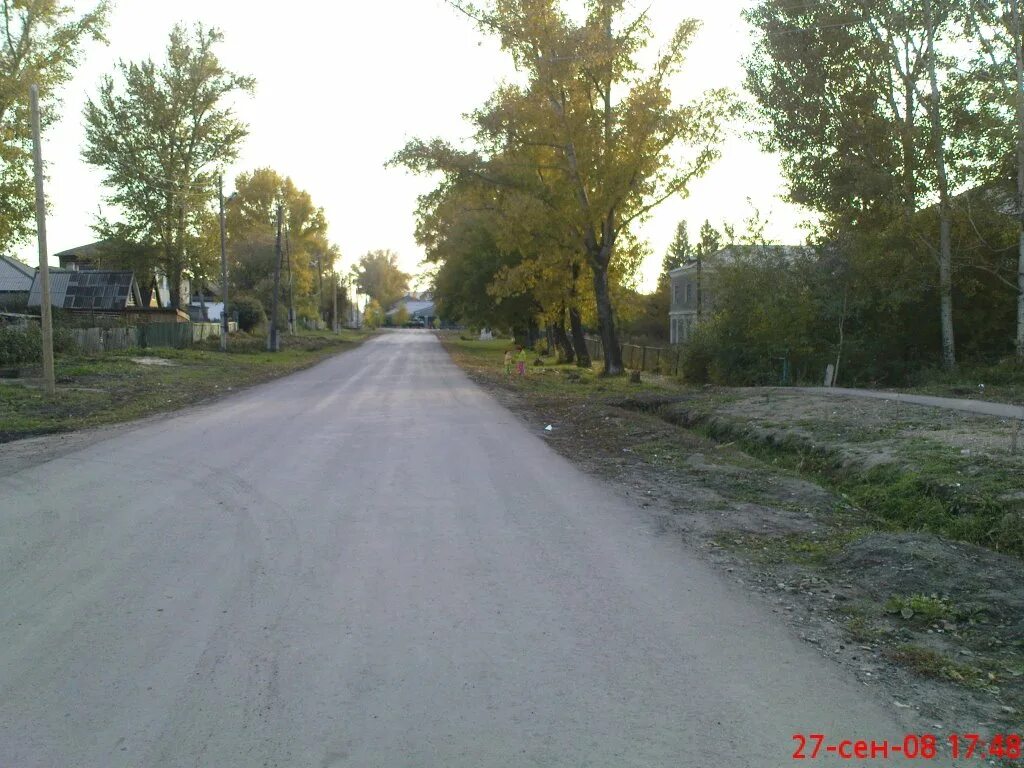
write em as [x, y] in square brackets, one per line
[87, 290]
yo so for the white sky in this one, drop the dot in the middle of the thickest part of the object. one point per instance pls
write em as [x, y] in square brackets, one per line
[343, 85]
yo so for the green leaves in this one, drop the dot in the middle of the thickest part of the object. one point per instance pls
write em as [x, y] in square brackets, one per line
[42, 46]
[589, 144]
[161, 132]
[379, 277]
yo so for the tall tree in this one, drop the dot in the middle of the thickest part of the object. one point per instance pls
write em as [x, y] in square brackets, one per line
[380, 278]
[619, 144]
[161, 132]
[251, 230]
[862, 142]
[935, 116]
[679, 251]
[42, 43]
[997, 78]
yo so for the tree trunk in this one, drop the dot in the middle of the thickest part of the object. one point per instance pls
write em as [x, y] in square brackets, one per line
[842, 338]
[579, 342]
[945, 214]
[179, 268]
[606, 317]
[562, 343]
[174, 287]
[1018, 44]
[909, 161]
[700, 288]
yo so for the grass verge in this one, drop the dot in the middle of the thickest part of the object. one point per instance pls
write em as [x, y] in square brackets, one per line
[107, 388]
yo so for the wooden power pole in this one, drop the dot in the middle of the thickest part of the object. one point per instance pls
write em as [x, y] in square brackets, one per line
[224, 321]
[334, 313]
[272, 345]
[45, 309]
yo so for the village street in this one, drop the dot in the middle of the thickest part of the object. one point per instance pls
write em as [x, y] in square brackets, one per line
[371, 563]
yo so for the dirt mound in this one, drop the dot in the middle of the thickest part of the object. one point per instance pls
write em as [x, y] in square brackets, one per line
[979, 582]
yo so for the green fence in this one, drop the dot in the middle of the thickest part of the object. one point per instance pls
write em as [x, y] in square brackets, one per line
[145, 336]
[175, 335]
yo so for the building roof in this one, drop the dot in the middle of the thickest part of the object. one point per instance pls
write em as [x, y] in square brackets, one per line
[82, 252]
[730, 254]
[95, 289]
[415, 308]
[15, 277]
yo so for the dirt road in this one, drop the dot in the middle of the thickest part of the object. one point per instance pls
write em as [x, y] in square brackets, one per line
[988, 408]
[371, 563]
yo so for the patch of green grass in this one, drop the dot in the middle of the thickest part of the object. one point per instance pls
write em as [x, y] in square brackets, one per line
[922, 609]
[932, 487]
[485, 359]
[1003, 382]
[802, 548]
[107, 388]
[862, 630]
[930, 663]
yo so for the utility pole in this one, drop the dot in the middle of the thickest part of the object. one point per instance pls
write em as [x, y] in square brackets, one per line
[272, 344]
[320, 290]
[288, 260]
[334, 314]
[45, 310]
[223, 268]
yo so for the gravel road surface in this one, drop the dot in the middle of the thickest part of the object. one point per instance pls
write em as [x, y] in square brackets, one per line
[371, 563]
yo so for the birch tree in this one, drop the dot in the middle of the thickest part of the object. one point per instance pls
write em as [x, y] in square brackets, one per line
[855, 95]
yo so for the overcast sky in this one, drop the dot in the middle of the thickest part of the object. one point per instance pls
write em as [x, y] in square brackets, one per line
[343, 85]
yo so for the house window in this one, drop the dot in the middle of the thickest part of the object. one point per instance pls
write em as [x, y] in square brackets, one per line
[689, 292]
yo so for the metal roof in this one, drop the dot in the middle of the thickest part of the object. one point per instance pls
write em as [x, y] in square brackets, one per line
[415, 308]
[94, 289]
[83, 251]
[731, 253]
[15, 277]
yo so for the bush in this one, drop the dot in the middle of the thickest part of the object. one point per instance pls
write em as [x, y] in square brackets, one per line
[250, 312]
[696, 360]
[20, 346]
[63, 341]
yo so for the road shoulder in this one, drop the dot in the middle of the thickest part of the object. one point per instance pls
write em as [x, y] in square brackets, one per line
[129, 403]
[931, 624]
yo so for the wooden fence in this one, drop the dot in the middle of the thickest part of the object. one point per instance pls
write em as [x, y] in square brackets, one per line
[146, 336]
[664, 360]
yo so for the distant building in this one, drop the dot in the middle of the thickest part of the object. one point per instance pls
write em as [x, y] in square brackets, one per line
[155, 290]
[15, 281]
[693, 290]
[419, 306]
